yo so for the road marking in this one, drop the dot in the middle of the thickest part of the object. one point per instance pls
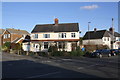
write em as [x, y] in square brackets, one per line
[43, 75]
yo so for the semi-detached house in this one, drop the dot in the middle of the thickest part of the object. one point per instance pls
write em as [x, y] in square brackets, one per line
[102, 37]
[63, 35]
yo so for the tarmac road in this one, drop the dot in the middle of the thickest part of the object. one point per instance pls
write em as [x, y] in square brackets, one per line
[26, 67]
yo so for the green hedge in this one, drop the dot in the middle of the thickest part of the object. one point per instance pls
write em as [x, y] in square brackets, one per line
[58, 53]
[77, 53]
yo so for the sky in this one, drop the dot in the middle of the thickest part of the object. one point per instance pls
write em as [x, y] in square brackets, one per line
[25, 15]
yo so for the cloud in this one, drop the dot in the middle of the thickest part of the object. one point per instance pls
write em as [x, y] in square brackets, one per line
[89, 7]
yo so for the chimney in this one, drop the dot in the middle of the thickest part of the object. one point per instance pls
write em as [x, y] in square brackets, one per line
[56, 21]
[111, 29]
[95, 29]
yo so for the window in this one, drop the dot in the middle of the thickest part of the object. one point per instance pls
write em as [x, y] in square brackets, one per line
[46, 35]
[6, 36]
[62, 35]
[108, 38]
[104, 38]
[36, 35]
[73, 35]
[45, 45]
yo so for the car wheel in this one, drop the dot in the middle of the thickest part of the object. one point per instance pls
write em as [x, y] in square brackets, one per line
[109, 55]
[100, 56]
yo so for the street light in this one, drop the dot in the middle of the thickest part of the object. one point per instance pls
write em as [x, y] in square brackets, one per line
[112, 33]
[88, 32]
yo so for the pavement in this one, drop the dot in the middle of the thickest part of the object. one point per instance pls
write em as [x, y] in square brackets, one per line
[27, 67]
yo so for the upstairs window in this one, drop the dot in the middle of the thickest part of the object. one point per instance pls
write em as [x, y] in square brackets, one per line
[46, 35]
[108, 38]
[104, 38]
[62, 35]
[6, 36]
[36, 35]
[73, 35]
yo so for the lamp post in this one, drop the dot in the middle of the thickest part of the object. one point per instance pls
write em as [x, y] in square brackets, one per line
[88, 32]
[112, 33]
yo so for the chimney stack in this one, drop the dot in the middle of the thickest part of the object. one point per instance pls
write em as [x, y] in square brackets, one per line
[111, 29]
[95, 29]
[56, 21]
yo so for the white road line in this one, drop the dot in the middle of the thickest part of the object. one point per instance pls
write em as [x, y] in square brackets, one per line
[43, 75]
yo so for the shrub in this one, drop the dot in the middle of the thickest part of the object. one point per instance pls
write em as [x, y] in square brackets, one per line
[42, 54]
[52, 49]
[58, 53]
[87, 54]
[77, 53]
[6, 46]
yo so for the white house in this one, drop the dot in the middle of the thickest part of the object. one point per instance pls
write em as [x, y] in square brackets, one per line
[102, 37]
[64, 35]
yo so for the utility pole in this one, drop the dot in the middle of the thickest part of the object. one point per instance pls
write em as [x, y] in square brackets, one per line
[112, 34]
[88, 32]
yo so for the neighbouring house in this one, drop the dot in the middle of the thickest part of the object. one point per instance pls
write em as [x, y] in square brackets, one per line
[64, 35]
[1, 37]
[26, 43]
[13, 35]
[102, 37]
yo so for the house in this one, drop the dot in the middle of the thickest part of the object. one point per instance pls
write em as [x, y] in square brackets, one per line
[13, 35]
[64, 35]
[102, 37]
[1, 37]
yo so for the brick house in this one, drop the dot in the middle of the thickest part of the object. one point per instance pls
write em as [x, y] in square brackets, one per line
[1, 37]
[13, 35]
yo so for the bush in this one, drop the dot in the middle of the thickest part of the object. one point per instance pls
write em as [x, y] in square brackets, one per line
[58, 53]
[77, 53]
[52, 49]
[87, 54]
[6, 46]
[42, 54]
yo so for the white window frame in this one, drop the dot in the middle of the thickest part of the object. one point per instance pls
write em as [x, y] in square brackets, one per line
[36, 36]
[46, 35]
[62, 35]
[73, 35]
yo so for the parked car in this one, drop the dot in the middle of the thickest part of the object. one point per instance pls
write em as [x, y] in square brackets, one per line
[101, 53]
[115, 51]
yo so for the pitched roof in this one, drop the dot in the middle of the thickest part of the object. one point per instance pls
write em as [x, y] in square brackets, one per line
[99, 34]
[1, 31]
[96, 35]
[116, 34]
[64, 27]
[17, 31]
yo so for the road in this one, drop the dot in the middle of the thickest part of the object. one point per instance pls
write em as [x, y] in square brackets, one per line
[27, 67]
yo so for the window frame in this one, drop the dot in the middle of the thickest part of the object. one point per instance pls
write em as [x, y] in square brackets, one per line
[36, 36]
[46, 35]
[73, 35]
[62, 35]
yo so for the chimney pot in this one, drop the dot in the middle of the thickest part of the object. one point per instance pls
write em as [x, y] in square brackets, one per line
[95, 29]
[56, 21]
